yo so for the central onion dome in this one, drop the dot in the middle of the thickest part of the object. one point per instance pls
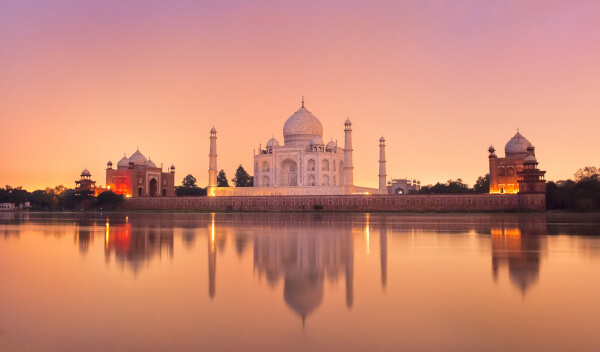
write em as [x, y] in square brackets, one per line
[301, 128]
[517, 146]
[138, 158]
[85, 172]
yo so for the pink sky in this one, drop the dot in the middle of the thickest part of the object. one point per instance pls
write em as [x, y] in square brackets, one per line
[82, 82]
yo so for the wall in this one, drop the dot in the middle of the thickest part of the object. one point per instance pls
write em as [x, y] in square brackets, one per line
[361, 203]
[288, 191]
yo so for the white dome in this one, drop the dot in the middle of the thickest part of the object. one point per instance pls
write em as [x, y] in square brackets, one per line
[272, 143]
[331, 145]
[150, 163]
[85, 172]
[138, 158]
[517, 146]
[123, 162]
[317, 141]
[301, 127]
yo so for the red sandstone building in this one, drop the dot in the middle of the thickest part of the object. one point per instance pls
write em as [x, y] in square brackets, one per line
[137, 176]
[517, 172]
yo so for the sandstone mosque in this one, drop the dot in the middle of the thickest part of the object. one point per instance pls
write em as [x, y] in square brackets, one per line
[517, 172]
[303, 165]
[137, 176]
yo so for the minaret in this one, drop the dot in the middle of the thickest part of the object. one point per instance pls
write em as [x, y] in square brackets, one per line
[348, 167]
[212, 160]
[382, 173]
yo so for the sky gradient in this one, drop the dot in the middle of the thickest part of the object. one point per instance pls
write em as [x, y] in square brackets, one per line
[82, 82]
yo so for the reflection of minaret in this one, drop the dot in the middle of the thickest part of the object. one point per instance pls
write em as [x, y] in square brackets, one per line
[383, 253]
[350, 270]
[212, 260]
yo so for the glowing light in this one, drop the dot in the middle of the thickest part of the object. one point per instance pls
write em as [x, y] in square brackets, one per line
[108, 187]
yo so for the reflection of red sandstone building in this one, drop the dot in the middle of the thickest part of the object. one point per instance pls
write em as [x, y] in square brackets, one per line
[137, 176]
[136, 246]
[519, 247]
[517, 172]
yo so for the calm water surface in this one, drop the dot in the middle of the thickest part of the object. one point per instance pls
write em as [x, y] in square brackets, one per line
[306, 282]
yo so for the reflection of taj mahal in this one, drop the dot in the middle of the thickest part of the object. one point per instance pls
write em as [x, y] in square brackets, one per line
[303, 165]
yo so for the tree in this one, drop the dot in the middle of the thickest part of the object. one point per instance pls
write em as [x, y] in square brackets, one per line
[222, 179]
[189, 181]
[588, 172]
[482, 185]
[109, 200]
[242, 178]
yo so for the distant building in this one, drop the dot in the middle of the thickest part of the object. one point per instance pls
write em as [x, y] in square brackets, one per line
[137, 176]
[7, 206]
[85, 183]
[403, 186]
[505, 172]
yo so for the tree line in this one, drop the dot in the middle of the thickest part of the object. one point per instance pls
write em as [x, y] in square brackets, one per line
[580, 194]
[189, 185]
[60, 198]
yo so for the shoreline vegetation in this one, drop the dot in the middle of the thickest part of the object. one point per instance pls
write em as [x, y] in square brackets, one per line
[579, 195]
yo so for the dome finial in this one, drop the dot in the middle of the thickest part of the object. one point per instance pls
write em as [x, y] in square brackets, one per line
[303, 101]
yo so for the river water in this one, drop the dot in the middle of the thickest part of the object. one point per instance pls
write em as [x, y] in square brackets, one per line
[299, 282]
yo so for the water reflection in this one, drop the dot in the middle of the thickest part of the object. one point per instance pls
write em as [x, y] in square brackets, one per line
[302, 251]
[519, 246]
[304, 261]
[134, 246]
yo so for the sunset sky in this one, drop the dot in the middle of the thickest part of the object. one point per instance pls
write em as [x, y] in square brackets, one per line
[82, 82]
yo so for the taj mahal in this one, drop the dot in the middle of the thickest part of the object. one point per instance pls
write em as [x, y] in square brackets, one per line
[303, 165]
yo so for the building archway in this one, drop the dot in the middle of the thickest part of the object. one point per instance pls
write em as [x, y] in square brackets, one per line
[153, 187]
[266, 181]
[311, 165]
[311, 180]
[164, 193]
[140, 192]
[288, 173]
[399, 190]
